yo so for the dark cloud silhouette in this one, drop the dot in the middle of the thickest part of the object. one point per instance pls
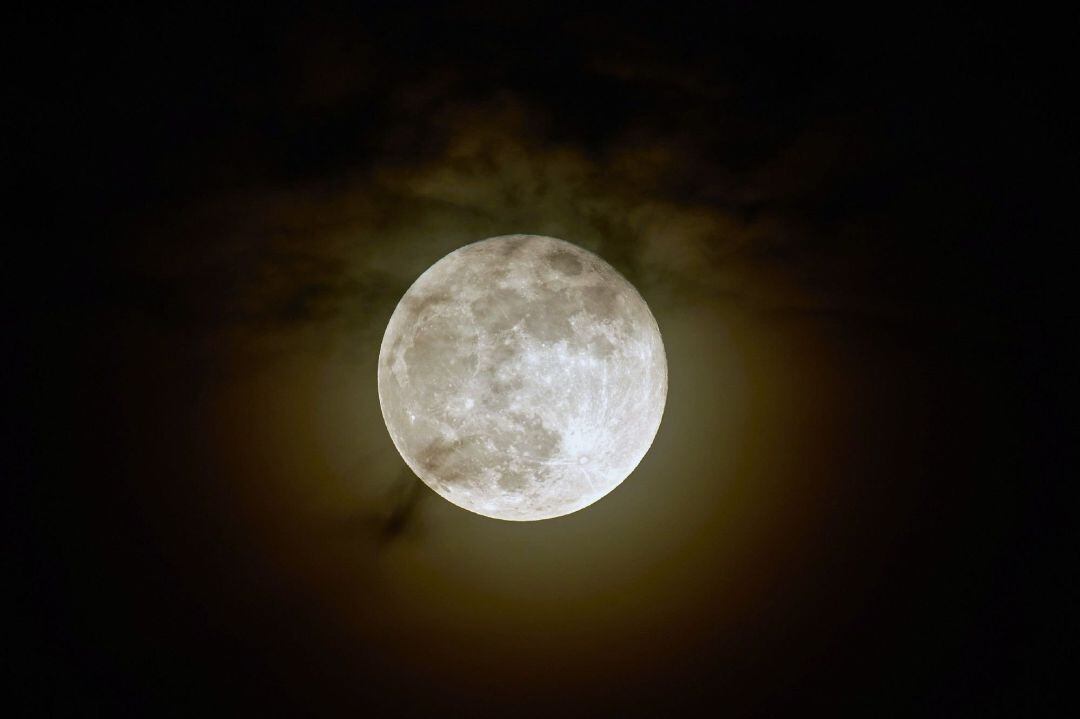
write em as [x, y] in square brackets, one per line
[407, 496]
[393, 516]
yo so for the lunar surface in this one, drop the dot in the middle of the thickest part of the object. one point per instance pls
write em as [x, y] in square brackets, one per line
[522, 377]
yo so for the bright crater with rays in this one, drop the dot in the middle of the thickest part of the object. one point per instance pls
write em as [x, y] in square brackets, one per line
[522, 377]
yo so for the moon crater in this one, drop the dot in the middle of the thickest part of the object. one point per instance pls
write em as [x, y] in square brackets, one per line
[522, 377]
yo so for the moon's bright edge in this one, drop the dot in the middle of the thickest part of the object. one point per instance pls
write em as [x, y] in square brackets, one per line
[522, 377]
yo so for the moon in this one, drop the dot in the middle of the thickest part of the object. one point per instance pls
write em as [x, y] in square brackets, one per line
[522, 377]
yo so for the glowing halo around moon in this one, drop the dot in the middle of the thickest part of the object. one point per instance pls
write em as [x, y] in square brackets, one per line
[522, 377]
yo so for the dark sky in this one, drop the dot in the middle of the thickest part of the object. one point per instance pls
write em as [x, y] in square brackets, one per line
[840, 223]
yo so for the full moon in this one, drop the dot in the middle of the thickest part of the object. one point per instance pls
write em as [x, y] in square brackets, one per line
[522, 377]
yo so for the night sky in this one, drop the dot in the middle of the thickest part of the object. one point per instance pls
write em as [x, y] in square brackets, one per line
[840, 223]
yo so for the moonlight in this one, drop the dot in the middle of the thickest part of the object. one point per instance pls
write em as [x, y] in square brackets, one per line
[522, 377]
